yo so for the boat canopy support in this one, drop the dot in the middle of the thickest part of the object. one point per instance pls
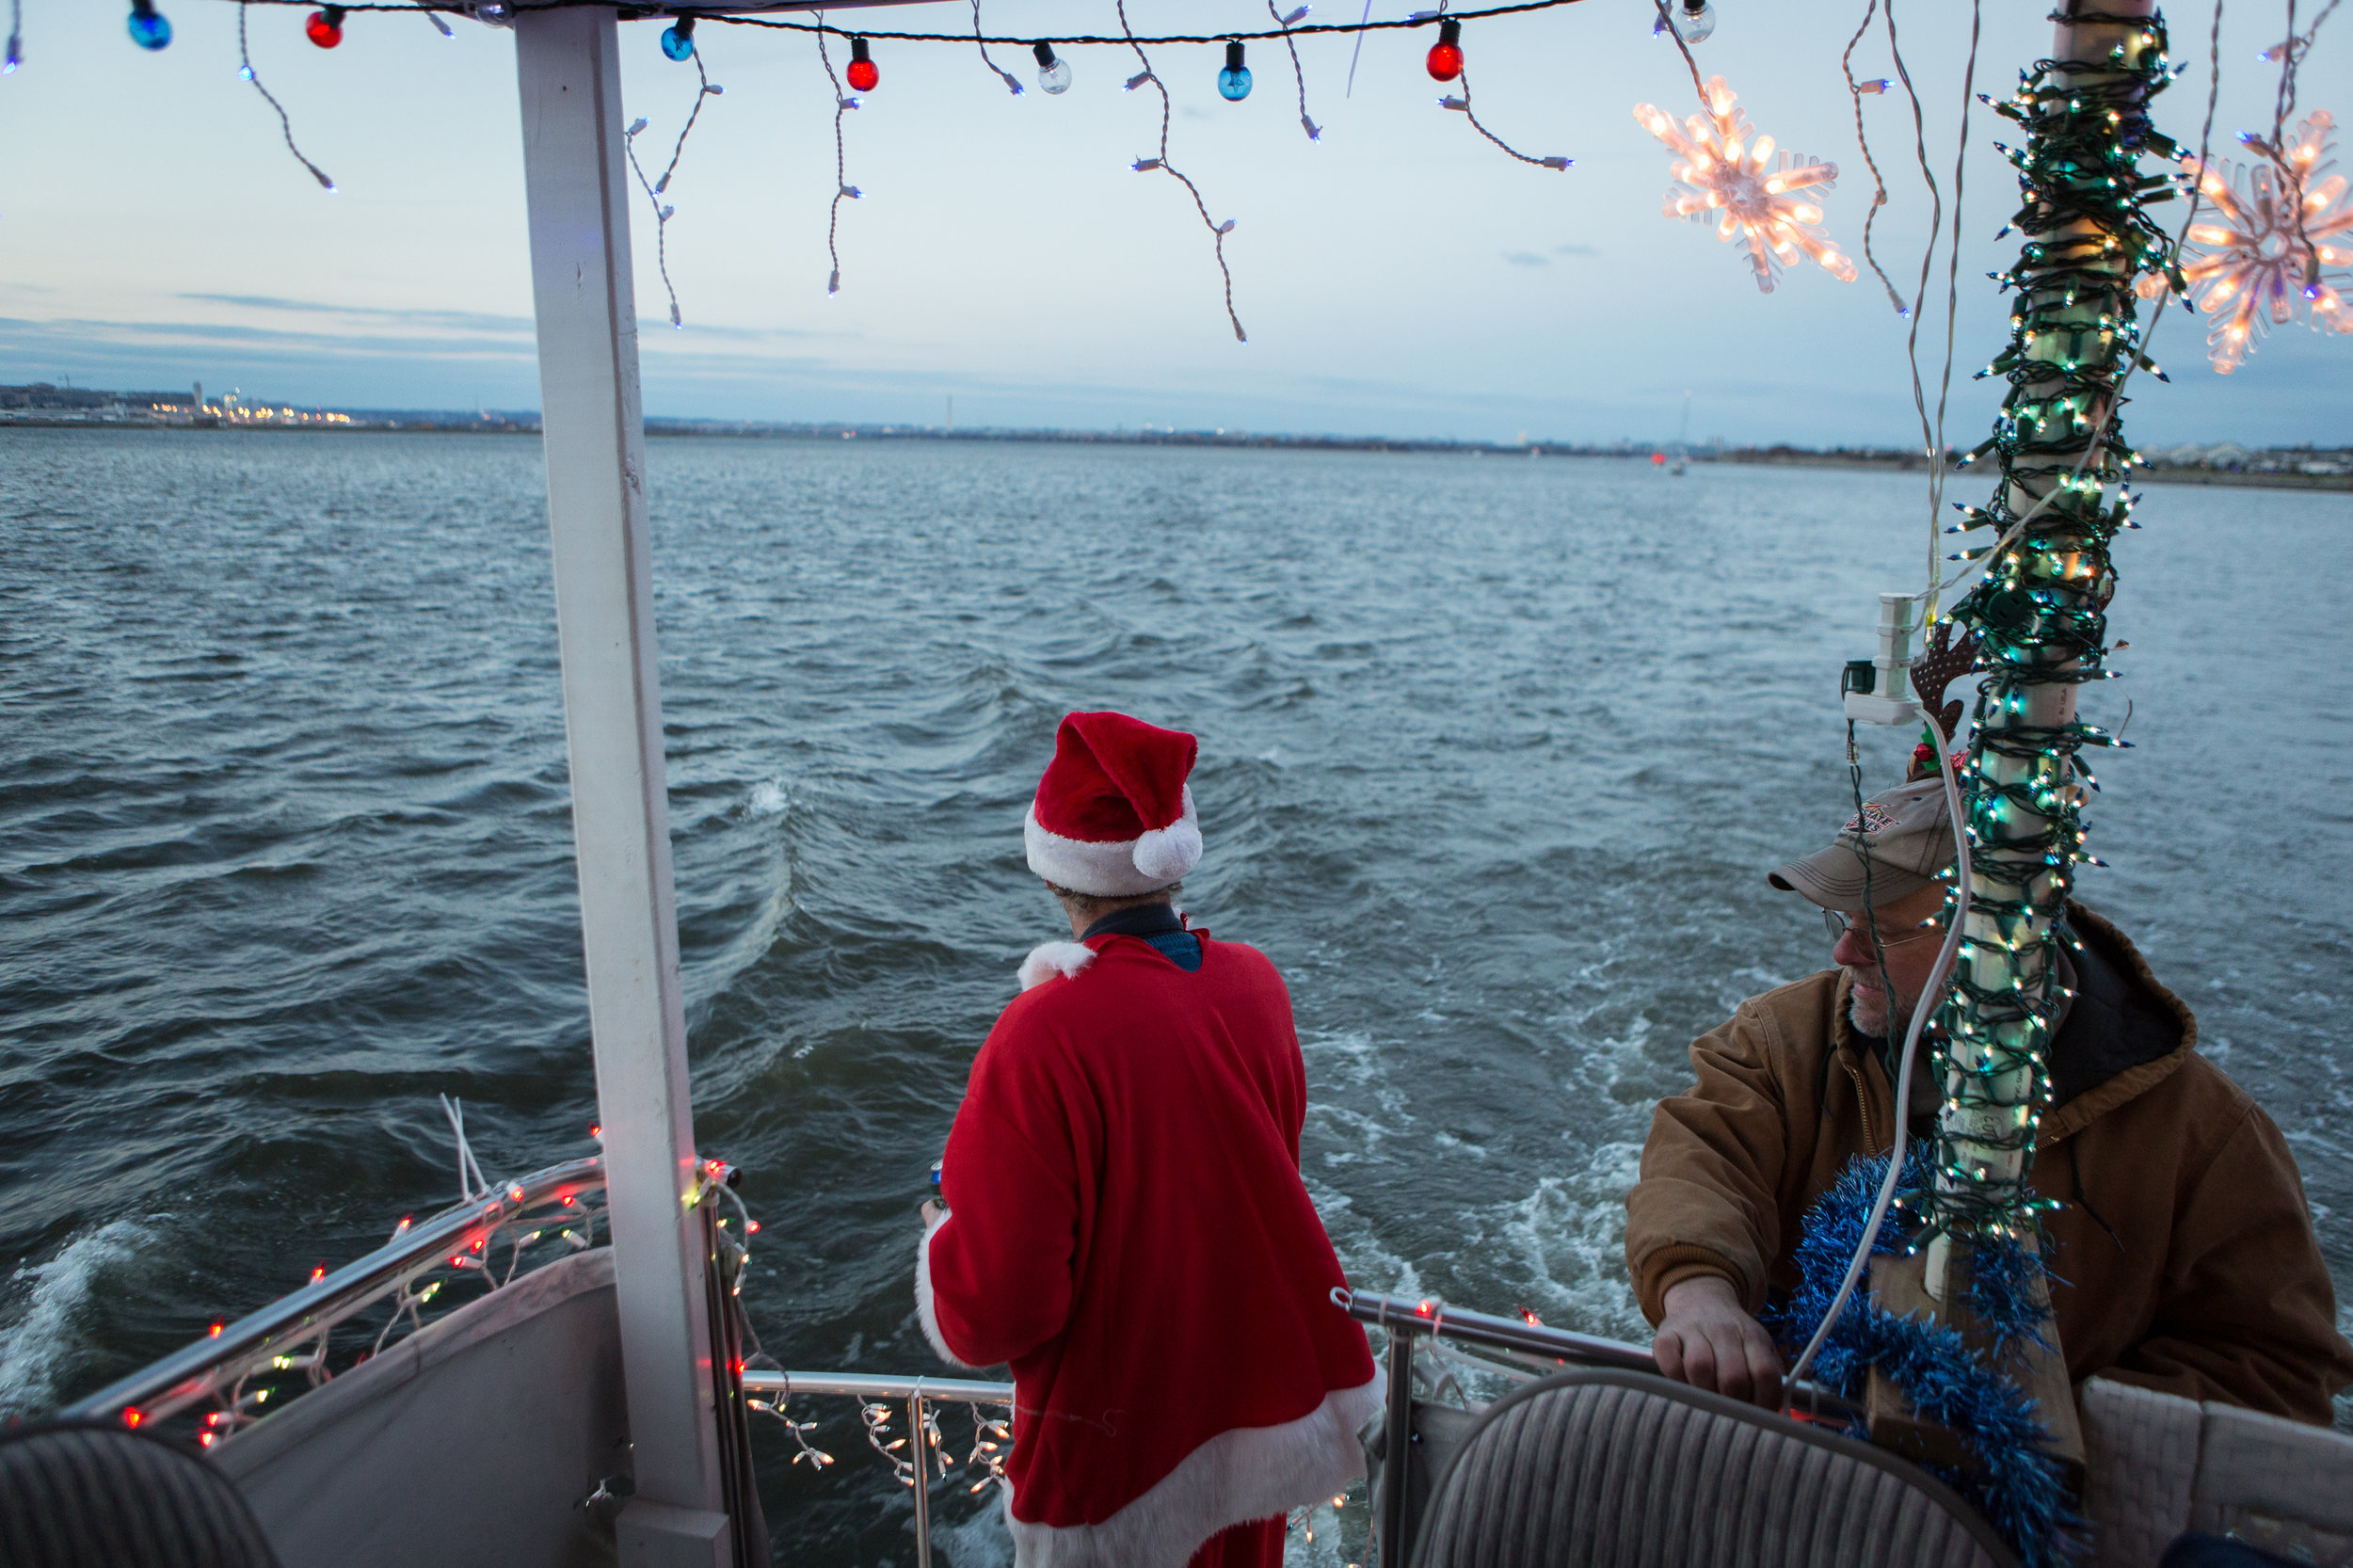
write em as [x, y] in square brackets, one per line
[576, 175]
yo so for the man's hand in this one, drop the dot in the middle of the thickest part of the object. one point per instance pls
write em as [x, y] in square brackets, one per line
[935, 1212]
[1708, 1341]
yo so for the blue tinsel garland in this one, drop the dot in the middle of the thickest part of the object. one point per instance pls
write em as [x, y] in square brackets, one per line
[2016, 1484]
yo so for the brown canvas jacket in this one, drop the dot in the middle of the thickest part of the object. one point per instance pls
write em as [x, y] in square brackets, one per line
[2183, 1256]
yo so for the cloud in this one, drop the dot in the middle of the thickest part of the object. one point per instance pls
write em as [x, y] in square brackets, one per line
[443, 321]
[1524, 258]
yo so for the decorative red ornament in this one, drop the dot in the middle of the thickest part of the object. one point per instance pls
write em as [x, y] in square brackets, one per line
[864, 75]
[326, 28]
[1445, 56]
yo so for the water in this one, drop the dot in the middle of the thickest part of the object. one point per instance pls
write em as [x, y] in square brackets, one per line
[1495, 754]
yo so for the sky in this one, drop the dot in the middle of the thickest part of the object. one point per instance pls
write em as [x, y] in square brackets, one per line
[1400, 276]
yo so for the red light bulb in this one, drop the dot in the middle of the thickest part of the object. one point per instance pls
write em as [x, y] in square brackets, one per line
[1445, 56]
[864, 75]
[326, 28]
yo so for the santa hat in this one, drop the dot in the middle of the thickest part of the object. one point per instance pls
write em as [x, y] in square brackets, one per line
[1114, 816]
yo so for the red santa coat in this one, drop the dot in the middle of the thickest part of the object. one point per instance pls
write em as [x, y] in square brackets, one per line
[1127, 1228]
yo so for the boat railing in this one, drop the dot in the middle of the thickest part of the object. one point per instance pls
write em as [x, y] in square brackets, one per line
[921, 1456]
[293, 1335]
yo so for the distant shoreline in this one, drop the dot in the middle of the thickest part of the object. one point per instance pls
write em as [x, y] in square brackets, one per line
[660, 429]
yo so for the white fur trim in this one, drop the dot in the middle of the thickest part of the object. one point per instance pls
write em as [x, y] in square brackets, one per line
[924, 1311]
[1048, 959]
[1166, 853]
[1247, 1474]
[1116, 868]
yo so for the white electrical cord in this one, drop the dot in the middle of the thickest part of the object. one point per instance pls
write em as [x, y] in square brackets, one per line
[1929, 996]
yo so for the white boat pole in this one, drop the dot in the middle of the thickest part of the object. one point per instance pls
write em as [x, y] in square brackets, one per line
[576, 179]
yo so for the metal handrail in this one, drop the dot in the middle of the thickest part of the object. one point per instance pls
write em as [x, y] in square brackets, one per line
[783, 1386]
[1399, 1314]
[918, 1392]
[238, 1350]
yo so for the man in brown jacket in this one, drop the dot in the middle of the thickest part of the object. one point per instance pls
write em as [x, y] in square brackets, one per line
[2183, 1259]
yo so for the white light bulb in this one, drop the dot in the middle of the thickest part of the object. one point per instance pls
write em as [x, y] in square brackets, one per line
[1693, 26]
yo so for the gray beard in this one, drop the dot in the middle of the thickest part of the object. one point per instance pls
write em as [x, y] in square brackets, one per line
[1898, 1022]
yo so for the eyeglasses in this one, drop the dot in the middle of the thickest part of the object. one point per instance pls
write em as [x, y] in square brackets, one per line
[1838, 923]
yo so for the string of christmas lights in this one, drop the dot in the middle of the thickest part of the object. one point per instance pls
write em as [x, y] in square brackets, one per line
[842, 189]
[2039, 610]
[1858, 90]
[656, 189]
[15, 54]
[245, 69]
[1013, 82]
[1299, 73]
[1464, 105]
[1160, 162]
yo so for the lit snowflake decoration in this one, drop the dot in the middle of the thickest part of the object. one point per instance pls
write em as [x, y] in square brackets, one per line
[2260, 267]
[1730, 175]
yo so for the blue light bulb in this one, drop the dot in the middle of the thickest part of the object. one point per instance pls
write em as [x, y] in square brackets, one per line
[1233, 83]
[149, 27]
[678, 39]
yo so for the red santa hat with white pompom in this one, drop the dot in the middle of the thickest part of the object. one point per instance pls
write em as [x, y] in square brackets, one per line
[1113, 815]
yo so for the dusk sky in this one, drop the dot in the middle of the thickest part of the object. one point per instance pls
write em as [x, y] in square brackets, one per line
[1400, 277]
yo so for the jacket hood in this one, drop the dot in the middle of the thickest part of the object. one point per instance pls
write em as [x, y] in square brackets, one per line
[2123, 1034]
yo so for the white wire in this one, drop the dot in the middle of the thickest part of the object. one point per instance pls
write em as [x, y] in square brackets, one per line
[1920, 1011]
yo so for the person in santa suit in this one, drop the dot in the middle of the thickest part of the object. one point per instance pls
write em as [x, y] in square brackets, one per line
[1123, 1220]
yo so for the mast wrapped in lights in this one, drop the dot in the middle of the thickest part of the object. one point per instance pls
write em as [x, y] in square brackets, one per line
[1730, 175]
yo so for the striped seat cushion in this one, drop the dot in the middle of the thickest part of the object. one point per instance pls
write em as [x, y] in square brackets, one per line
[86, 1496]
[1603, 1469]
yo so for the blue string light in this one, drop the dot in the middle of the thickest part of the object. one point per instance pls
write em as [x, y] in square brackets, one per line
[150, 28]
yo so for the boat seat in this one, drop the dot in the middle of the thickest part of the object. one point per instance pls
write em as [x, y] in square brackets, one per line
[86, 1494]
[2157, 1464]
[1611, 1469]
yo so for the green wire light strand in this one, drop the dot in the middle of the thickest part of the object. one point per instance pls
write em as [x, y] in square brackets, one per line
[2040, 609]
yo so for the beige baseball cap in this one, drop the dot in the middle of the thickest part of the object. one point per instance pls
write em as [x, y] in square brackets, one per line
[1909, 836]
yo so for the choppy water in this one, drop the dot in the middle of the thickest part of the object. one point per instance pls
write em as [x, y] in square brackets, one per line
[1495, 754]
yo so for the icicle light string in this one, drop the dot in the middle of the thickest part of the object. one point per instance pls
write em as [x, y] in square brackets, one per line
[1299, 73]
[1929, 434]
[1464, 103]
[1952, 305]
[1879, 180]
[285, 126]
[1145, 165]
[656, 189]
[842, 189]
[1013, 82]
[1682, 48]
